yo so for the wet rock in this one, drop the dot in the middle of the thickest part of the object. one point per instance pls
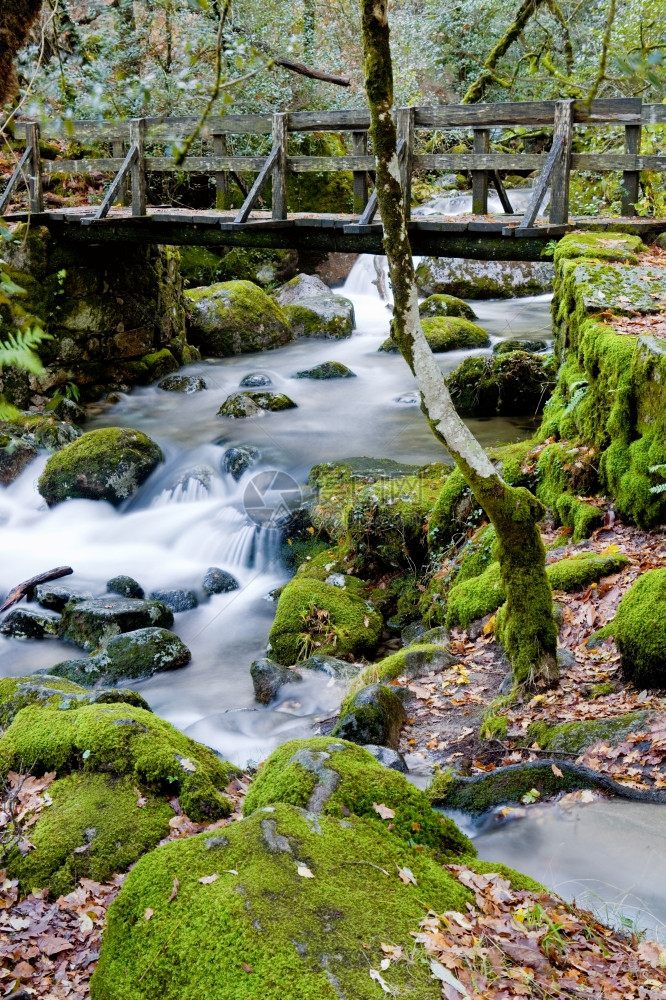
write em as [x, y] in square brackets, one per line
[268, 677]
[529, 346]
[107, 464]
[330, 665]
[23, 623]
[55, 598]
[239, 459]
[374, 715]
[388, 758]
[303, 286]
[439, 636]
[91, 623]
[482, 279]
[218, 581]
[328, 316]
[447, 333]
[446, 305]
[69, 411]
[235, 317]
[513, 384]
[255, 380]
[177, 599]
[140, 653]
[413, 632]
[326, 370]
[183, 383]
[251, 404]
[126, 586]
[15, 455]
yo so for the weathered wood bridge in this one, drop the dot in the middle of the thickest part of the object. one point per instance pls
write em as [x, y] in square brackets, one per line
[140, 146]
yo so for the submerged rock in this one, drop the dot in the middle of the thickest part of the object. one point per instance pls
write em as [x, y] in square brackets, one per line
[178, 599]
[126, 586]
[512, 384]
[446, 305]
[129, 656]
[330, 665]
[218, 581]
[239, 459]
[107, 464]
[255, 380]
[530, 346]
[88, 624]
[326, 370]
[250, 404]
[183, 383]
[235, 317]
[23, 623]
[268, 677]
[54, 598]
[482, 279]
[373, 715]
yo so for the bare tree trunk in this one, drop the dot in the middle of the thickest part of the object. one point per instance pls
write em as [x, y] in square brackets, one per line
[526, 626]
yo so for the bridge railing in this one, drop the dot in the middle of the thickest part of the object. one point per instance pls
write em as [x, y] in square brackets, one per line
[130, 162]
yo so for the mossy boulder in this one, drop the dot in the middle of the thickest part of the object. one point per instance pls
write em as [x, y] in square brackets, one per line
[448, 333]
[140, 653]
[250, 403]
[55, 692]
[579, 571]
[265, 930]
[88, 624]
[576, 737]
[235, 317]
[326, 370]
[107, 464]
[413, 661]
[621, 248]
[509, 784]
[482, 279]
[268, 677]
[445, 305]
[336, 777]
[24, 623]
[125, 586]
[119, 740]
[187, 384]
[314, 616]
[566, 475]
[327, 316]
[372, 715]
[15, 455]
[513, 384]
[639, 629]
[530, 346]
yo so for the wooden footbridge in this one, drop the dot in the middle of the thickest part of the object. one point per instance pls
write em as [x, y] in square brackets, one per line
[140, 147]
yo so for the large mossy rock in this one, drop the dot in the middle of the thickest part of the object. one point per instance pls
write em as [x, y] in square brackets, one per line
[298, 910]
[250, 403]
[447, 333]
[445, 305]
[334, 777]
[373, 715]
[512, 384]
[128, 656]
[639, 629]
[482, 279]
[26, 623]
[107, 464]
[576, 737]
[313, 310]
[318, 617]
[89, 624]
[235, 317]
[50, 691]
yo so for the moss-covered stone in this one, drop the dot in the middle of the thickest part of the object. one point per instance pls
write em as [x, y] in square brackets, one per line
[55, 692]
[335, 777]
[125, 586]
[107, 464]
[88, 624]
[24, 623]
[513, 384]
[374, 714]
[482, 279]
[261, 930]
[576, 737]
[186, 384]
[327, 370]
[119, 740]
[313, 616]
[445, 305]
[249, 403]
[448, 333]
[580, 571]
[413, 661]
[507, 784]
[326, 316]
[618, 247]
[567, 474]
[639, 629]
[140, 653]
[531, 346]
[235, 317]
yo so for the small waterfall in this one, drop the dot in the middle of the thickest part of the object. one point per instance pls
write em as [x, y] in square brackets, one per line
[189, 491]
[460, 203]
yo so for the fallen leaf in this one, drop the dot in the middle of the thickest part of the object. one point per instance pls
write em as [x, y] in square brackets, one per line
[174, 891]
[556, 771]
[652, 953]
[379, 979]
[383, 810]
[187, 764]
[51, 945]
[439, 972]
[304, 871]
[207, 879]
[407, 876]
[147, 913]
[246, 967]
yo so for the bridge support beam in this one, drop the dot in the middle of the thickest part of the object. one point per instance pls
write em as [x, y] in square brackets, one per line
[138, 138]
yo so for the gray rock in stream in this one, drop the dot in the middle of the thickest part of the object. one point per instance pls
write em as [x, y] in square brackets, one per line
[218, 581]
[126, 586]
[326, 370]
[91, 623]
[375, 715]
[132, 655]
[268, 677]
[239, 459]
[178, 599]
[54, 598]
[389, 758]
[330, 665]
[23, 623]
[187, 384]
[255, 380]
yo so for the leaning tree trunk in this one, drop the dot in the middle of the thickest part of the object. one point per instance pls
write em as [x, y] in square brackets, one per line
[526, 626]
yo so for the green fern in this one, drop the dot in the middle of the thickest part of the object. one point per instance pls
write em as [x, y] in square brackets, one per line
[19, 349]
[579, 392]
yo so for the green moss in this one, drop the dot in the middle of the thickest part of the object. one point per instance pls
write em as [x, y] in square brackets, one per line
[580, 571]
[505, 785]
[119, 740]
[152, 366]
[372, 715]
[328, 320]
[453, 507]
[446, 305]
[260, 931]
[639, 629]
[199, 266]
[263, 266]
[316, 617]
[511, 384]
[348, 779]
[235, 317]
[55, 692]
[575, 737]
[494, 727]
[106, 464]
[475, 598]
[448, 333]
[250, 402]
[618, 247]
[89, 809]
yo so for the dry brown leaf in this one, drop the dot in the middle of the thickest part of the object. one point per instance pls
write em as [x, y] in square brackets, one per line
[383, 810]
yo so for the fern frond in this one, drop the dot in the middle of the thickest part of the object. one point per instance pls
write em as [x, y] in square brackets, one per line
[7, 411]
[577, 397]
[657, 468]
[661, 488]
[19, 349]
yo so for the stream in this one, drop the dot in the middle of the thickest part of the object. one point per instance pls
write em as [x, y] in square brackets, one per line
[190, 515]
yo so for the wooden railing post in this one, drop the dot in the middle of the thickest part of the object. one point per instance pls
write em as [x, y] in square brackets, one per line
[118, 153]
[631, 178]
[34, 168]
[138, 138]
[481, 144]
[221, 176]
[360, 148]
[405, 127]
[559, 191]
[280, 167]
